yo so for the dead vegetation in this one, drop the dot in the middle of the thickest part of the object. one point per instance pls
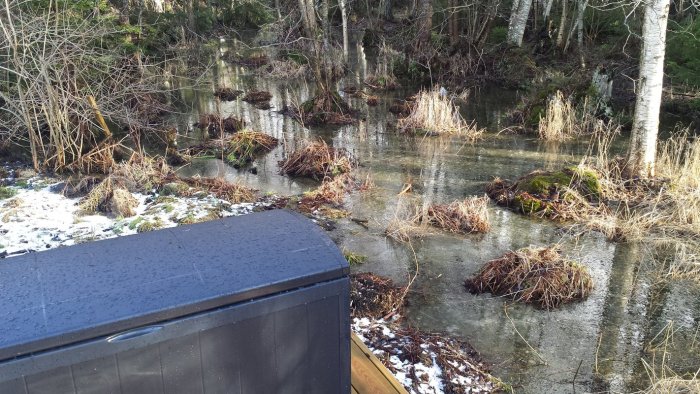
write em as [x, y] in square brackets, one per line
[413, 220]
[244, 146]
[374, 297]
[260, 99]
[284, 69]
[326, 108]
[252, 59]
[227, 94]
[539, 276]
[435, 114]
[383, 77]
[113, 193]
[563, 120]
[463, 217]
[216, 125]
[232, 192]
[401, 108]
[317, 160]
[330, 194]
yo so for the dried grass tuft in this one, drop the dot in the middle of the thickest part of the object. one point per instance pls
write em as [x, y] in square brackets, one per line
[373, 296]
[246, 145]
[214, 124]
[227, 94]
[317, 160]
[232, 192]
[284, 69]
[464, 217]
[539, 276]
[330, 193]
[434, 114]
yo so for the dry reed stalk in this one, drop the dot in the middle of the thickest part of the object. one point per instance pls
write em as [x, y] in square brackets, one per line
[434, 114]
[539, 276]
[318, 161]
[464, 217]
[559, 122]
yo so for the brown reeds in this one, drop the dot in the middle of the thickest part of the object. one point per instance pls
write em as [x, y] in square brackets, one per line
[257, 96]
[246, 145]
[232, 192]
[464, 217]
[284, 69]
[227, 94]
[539, 276]
[215, 124]
[434, 114]
[330, 193]
[317, 160]
[374, 297]
[562, 120]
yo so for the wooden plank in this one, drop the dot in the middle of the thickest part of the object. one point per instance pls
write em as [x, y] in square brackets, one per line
[369, 374]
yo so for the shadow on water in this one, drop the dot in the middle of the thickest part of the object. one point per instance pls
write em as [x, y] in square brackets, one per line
[596, 344]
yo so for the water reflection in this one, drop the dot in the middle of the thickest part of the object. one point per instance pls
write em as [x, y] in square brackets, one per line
[604, 336]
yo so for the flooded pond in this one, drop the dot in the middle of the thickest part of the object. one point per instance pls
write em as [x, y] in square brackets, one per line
[594, 345]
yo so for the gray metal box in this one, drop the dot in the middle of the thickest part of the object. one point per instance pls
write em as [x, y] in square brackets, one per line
[251, 304]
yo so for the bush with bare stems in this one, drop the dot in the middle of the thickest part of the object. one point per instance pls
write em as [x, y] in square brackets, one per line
[59, 87]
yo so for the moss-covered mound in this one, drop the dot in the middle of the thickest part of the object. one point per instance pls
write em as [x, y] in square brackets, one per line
[564, 194]
[539, 276]
[245, 146]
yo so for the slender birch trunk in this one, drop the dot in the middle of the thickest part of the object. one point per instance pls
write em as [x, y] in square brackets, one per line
[562, 22]
[642, 150]
[578, 25]
[344, 17]
[547, 9]
[518, 20]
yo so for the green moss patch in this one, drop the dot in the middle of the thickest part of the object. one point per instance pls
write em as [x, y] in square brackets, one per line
[7, 192]
[564, 194]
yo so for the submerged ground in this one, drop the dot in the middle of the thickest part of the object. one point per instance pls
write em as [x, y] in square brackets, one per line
[599, 344]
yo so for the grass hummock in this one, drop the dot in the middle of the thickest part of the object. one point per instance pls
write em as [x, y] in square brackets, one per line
[374, 296]
[435, 114]
[317, 160]
[463, 217]
[246, 145]
[215, 124]
[227, 94]
[539, 276]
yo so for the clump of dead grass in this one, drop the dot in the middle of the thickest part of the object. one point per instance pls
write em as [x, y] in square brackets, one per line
[246, 145]
[539, 276]
[563, 120]
[227, 94]
[464, 217]
[406, 223]
[331, 193]
[215, 124]
[284, 69]
[374, 297]
[317, 160]
[434, 114]
[113, 194]
[234, 193]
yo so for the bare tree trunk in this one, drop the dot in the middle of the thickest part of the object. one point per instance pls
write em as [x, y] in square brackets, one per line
[385, 10]
[425, 23]
[547, 9]
[344, 17]
[578, 25]
[562, 22]
[518, 21]
[642, 150]
[453, 22]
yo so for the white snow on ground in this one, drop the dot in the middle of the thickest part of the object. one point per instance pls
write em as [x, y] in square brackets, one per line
[37, 218]
[430, 379]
